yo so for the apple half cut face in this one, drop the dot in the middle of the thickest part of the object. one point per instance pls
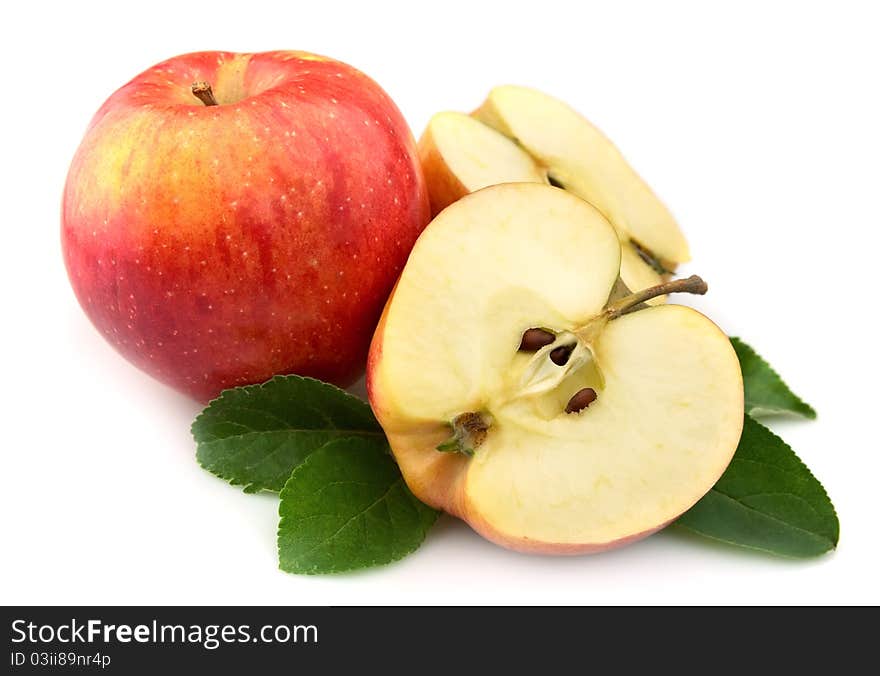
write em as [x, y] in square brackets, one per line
[516, 397]
[549, 142]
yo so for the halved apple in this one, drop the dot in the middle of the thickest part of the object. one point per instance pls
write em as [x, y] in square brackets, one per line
[548, 141]
[515, 396]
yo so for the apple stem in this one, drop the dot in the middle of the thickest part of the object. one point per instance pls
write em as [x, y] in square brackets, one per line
[203, 92]
[693, 284]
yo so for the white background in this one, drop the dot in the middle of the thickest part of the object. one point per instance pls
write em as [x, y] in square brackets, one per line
[758, 125]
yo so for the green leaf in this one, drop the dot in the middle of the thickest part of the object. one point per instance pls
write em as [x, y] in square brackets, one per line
[256, 436]
[767, 499]
[347, 507]
[766, 393]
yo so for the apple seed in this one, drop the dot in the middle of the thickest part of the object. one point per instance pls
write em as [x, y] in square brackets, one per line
[534, 339]
[560, 355]
[580, 400]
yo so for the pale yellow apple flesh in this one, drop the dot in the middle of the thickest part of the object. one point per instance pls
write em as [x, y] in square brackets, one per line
[669, 406]
[460, 155]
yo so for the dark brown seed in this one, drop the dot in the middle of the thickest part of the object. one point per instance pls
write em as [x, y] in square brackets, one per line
[580, 400]
[560, 355]
[534, 339]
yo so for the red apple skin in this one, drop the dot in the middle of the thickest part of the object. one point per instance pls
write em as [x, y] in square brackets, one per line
[216, 246]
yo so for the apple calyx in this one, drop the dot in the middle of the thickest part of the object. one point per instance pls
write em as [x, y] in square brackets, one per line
[469, 431]
[203, 92]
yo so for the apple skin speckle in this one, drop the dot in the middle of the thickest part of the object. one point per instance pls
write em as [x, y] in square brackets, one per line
[252, 201]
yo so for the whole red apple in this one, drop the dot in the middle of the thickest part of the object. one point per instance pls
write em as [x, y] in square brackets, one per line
[229, 217]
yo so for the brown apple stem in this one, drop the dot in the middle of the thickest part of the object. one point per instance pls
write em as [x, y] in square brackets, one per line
[693, 284]
[635, 301]
[203, 92]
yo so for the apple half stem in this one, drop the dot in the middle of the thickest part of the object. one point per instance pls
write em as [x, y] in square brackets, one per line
[634, 301]
[693, 284]
[203, 92]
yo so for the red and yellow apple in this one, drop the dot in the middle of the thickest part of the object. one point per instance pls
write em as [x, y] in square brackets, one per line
[520, 393]
[229, 217]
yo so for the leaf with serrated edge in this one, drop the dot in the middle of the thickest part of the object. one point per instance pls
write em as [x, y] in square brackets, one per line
[347, 507]
[257, 435]
[767, 499]
[766, 393]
